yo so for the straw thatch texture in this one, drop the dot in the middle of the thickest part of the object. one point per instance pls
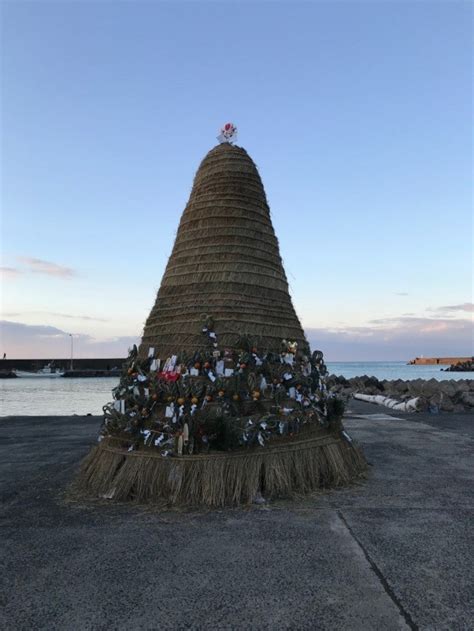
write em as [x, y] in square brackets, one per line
[225, 263]
[225, 479]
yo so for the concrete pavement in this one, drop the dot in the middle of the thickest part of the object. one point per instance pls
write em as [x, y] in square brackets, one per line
[393, 552]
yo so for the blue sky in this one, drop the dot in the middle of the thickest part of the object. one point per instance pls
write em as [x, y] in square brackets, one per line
[358, 116]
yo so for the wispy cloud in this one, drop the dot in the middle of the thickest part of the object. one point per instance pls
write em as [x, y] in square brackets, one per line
[465, 306]
[399, 338]
[384, 339]
[38, 266]
[9, 272]
[54, 314]
[401, 293]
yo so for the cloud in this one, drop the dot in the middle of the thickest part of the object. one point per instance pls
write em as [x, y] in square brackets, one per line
[401, 293]
[38, 266]
[395, 339]
[384, 339]
[36, 341]
[465, 306]
[56, 315]
[9, 272]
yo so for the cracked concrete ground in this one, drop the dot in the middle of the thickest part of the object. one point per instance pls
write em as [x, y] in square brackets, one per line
[394, 552]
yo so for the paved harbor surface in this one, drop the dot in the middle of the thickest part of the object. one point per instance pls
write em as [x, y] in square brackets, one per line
[394, 552]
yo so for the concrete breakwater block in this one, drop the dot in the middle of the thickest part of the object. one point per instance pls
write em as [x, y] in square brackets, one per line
[447, 396]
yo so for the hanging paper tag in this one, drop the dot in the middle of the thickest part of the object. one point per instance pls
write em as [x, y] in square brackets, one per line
[194, 372]
[292, 392]
[229, 372]
[211, 376]
[287, 376]
[220, 367]
[151, 352]
[147, 392]
[169, 411]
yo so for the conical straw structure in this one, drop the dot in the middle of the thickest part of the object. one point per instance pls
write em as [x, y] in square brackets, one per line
[226, 264]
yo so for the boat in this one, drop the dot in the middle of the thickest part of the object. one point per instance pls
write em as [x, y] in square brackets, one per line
[46, 371]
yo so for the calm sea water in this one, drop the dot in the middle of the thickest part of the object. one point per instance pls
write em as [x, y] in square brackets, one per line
[36, 397]
[394, 370]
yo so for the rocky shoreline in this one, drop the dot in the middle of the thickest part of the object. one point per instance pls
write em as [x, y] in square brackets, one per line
[434, 396]
[467, 366]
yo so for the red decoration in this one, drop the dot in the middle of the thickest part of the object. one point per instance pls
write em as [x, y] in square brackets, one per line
[169, 376]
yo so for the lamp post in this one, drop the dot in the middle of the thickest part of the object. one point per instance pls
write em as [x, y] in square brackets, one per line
[72, 350]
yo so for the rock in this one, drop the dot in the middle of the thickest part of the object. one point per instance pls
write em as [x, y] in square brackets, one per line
[468, 399]
[467, 366]
[435, 399]
[446, 404]
[423, 404]
[430, 388]
[414, 387]
[448, 388]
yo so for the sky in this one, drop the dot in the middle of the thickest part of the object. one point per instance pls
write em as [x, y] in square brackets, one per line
[357, 114]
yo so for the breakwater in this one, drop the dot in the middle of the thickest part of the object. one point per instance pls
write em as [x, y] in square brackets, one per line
[92, 373]
[80, 364]
[435, 361]
[446, 396]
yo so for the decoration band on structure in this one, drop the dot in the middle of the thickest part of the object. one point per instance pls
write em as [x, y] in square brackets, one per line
[190, 435]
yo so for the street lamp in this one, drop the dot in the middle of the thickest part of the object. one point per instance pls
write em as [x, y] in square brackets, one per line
[72, 350]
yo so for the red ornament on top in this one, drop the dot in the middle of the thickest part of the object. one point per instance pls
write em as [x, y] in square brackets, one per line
[228, 133]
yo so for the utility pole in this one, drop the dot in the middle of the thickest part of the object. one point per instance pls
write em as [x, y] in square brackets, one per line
[72, 351]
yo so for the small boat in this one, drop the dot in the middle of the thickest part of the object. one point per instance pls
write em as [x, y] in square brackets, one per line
[46, 371]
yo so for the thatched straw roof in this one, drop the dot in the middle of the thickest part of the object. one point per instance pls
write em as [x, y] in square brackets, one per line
[225, 263]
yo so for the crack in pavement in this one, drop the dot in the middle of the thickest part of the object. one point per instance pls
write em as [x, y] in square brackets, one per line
[383, 581]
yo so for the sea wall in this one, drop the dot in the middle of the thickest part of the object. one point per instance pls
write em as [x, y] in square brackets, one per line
[447, 396]
[64, 364]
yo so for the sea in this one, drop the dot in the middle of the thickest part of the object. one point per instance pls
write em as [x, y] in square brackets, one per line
[82, 396]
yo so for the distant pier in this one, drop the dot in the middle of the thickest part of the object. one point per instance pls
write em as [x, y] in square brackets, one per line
[434, 361]
[81, 367]
[93, 373]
